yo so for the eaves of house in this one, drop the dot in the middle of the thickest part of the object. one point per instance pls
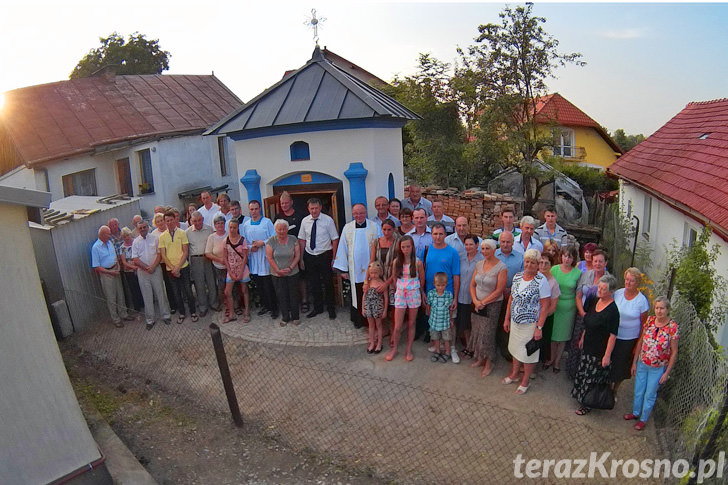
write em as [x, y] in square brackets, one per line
[685, 164]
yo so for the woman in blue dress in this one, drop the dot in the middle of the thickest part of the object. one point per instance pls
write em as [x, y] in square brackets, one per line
[257, 230]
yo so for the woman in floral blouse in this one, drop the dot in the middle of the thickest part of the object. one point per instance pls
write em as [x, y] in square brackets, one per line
[653, 363]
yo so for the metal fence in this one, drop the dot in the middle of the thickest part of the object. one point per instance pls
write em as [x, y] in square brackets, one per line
[341, 403]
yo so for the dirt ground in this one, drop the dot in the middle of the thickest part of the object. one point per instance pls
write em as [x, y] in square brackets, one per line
[417, 422]
[178, 442]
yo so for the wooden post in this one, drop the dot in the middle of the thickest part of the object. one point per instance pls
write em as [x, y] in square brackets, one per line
[227, 381]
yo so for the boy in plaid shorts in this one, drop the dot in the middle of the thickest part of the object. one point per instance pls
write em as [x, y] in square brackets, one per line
[438, 307]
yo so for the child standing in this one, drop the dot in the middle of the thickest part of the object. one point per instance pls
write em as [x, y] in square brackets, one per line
[438, 306]
[407, 270]
[376, 300]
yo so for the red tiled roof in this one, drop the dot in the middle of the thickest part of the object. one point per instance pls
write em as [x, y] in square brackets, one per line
[676, 165]
[57, 120]
[554, 108]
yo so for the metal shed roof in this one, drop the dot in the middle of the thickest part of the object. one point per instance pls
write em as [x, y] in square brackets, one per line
[318, 91]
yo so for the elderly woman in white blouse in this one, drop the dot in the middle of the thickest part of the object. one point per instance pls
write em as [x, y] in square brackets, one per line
[525, 315]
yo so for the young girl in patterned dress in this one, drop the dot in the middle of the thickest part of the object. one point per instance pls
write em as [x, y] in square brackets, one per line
[375, 302]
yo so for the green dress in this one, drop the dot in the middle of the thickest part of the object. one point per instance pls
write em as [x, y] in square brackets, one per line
[566, 307]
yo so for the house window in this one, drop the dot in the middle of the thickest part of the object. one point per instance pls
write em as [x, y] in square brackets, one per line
[222, 154]
[80, 183]
[145, 169]
[299, 151]
[647, 217]
[690, 235]
[629, 210]
[564, 143]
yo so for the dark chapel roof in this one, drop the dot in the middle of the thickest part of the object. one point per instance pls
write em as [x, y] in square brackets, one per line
[319, 91]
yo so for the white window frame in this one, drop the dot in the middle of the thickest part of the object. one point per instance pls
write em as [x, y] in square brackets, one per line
[688, 232]
[647, 217]
[565, 141]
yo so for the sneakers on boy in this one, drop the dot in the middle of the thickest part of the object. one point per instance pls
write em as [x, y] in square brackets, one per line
[432, 349]
[454, 355]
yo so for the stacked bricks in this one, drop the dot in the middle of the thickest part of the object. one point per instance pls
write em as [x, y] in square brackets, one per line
[483, 210]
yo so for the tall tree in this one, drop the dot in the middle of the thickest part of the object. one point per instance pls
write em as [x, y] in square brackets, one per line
[500, 81]
[137, 55]
[433, 146]
[627, 142]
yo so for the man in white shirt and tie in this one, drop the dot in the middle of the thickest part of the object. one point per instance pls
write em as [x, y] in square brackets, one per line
[319, 241]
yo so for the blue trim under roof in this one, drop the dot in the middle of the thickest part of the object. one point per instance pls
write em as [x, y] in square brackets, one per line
[317, 126]
[317, 92]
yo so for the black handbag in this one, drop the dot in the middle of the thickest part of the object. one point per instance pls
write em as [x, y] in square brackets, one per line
[599, 396]
[532, 346]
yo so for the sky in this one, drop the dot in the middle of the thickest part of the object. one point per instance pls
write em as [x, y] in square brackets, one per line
[645, 62]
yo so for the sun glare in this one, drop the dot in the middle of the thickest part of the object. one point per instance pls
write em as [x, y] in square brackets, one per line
[2, 100]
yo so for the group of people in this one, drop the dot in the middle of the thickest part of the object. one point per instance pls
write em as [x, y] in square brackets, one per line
[412, 265]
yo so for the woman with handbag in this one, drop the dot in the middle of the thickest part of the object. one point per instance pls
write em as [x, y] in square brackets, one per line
[601, 324]
[486, 289]
[525, 315]
[654, 361]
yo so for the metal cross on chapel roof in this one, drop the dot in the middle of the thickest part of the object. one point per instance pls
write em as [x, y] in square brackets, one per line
[314, 23]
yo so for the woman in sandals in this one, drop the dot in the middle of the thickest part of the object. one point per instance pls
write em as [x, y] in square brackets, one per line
[486, 289]
[601, 325]
[525, 316]
[655, 357]
[236, 263]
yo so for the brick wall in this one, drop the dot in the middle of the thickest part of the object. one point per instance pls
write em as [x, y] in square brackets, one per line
[482, 210]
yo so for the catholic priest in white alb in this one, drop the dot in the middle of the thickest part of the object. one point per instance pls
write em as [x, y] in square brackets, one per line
[352, 256]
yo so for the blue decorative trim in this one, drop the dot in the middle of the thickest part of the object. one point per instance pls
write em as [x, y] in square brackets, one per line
[306, 178]
[317, 126]
[390, 185]
[357, 175]
[251, 182]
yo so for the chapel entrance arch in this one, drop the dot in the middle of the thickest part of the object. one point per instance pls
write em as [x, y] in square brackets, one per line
[304, 185]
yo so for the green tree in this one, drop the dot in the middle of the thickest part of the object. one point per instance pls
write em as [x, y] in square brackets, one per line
[433, 146]
[627, 142]
[500, 80]
[137, 55]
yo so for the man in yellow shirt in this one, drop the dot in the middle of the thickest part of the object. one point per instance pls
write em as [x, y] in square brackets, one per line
[174, 248]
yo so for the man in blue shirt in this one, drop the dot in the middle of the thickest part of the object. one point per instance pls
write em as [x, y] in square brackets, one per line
[416, 201]
[512, 259]
[514, 263]
[421, 234]
[104, 261]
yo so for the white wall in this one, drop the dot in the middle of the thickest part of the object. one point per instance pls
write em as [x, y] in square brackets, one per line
[178, 164]
[378, 149]
[43, 433]
[668, 225]
[22, 178]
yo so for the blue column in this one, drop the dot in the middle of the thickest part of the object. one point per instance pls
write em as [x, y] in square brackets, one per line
[357, 175]
[251, 182]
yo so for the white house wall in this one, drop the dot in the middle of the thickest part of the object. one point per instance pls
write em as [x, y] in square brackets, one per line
[22, 178]
[178, 164]
[44, 435]
[378, 149]
[668, 225]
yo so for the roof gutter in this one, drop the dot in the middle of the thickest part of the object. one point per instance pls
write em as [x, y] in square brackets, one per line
[105, 147]
[697, 216]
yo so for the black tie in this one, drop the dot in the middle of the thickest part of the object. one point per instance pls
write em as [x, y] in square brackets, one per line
[313, 235]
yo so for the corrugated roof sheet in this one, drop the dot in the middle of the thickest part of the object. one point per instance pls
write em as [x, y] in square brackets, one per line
[680, 166]
[318, 91]
[57, 120]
